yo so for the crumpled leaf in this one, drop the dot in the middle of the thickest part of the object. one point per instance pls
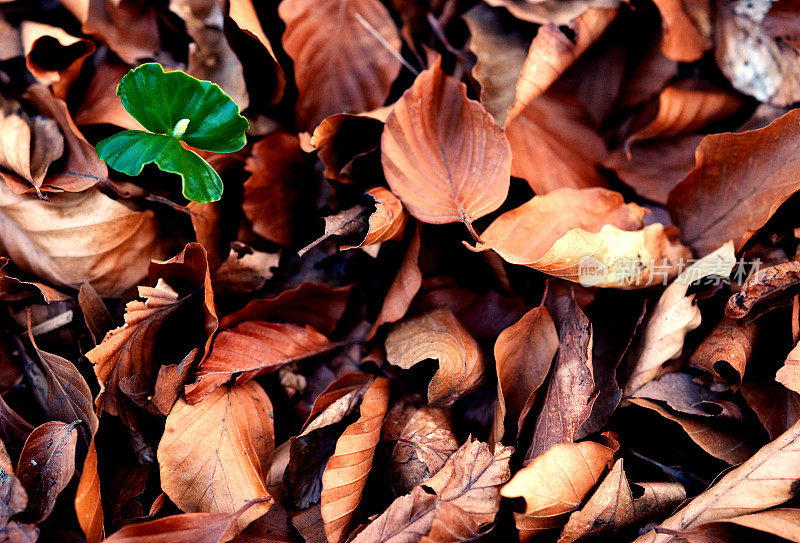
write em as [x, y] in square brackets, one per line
[333, 44]
[726, 351]
[613, 505]
[763, 286]
[223, 477]
[387, 222]
[757, 164]
[346, 472]
[13, 498]
[46, 465]
[687, 29]
[556, 12]
[47, 45]
[467, 487]
[440, 336]
[455, 170]
[90, 238]
[767, 479]
[675, 315]
[253, 348]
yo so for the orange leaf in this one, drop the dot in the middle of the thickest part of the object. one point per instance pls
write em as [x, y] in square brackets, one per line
[346, 472]
[387, 222]
[442, 154]
[340, 63]
[438, 335]
[687, 29]
[214, 455]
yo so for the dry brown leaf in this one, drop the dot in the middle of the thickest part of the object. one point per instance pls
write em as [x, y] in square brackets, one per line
[767, 479]
[601, 242]
[346, 56]
[776, 406]
[95, 313]
[685, 107]
[552, 52]
[523, 353]
[346, 473]
[46, 465]
[756, 60]
[254, 348]
[351, 222]
[53, 56]
[687, 29]
[405, 286]
[782, 522]
[725, 352]
[555, 145]
[89, 238]
[732, 442]
[469, 481]
[278, 168]
[789, 374]
[443, 154]
[571, 391]
[690, 396]
[673, 317]
[555, 484]
[388, 220]
[421, 440]
[613, 505]
[88, 503]
[214, 455]
[440, 336]
[555, 12]
[126, 352]
[101, 103]
[764, 285]
[345, 141]
[245, 270]
[756, 163]
[14, 430]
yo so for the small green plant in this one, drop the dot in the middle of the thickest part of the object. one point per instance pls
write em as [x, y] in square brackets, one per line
[175, 107]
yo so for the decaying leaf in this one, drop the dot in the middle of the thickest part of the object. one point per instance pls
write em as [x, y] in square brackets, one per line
[726, 351]
[214, 455]
[387, 222]
[438, 335]
[763, 286]
[455, 170]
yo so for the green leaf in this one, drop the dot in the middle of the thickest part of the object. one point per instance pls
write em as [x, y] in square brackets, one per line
[129, 151]
[159, 101]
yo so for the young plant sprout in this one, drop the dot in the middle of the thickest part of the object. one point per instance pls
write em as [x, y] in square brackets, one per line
[175, 107]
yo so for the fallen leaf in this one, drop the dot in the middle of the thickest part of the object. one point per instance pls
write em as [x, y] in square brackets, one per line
[523, 354]
[277, 169]
[764, 285]
[782, 522]
[13, 498]
[789, 374]
[555, 483]
[767, 479]
[88, 501]
[675, 315]
[469, 481]
[570, 392]
[46, 465]
[253, 348]
[438, 335]
[126, 352]
[101, 103]
[755, 163]
[388, 220]
[776, 406]
[14, 430]
[552, 52]
[98, 319]
[688, 395]
[345, 142]
[214, 455]
[725, 352]
[53, 56]
[346, 472]
[687, 29]
[456, 169]
[333, 44]
[551, 11]
[89, 238]
[613, 505]
[245, 270]
[351, 222]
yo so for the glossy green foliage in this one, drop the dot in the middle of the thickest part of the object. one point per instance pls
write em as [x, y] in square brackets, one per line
[175, 107]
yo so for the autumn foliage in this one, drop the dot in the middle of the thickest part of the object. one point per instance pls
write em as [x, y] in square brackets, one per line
[484, 270]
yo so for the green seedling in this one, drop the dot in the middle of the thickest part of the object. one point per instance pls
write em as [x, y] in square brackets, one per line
[175, 107]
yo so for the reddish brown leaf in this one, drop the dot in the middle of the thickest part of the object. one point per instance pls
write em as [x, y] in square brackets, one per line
[346, 472]
[438, 335]
[88, 502]
[765, 285]
[101, 104]
[98, 319]
[43, 44]
[340, 65]
[13, 498]
[222, 477]
[388, 220]
[687, 29]
[455, 170]
[46, 465]
[278, 167]
[725, 352]
[251, 349]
